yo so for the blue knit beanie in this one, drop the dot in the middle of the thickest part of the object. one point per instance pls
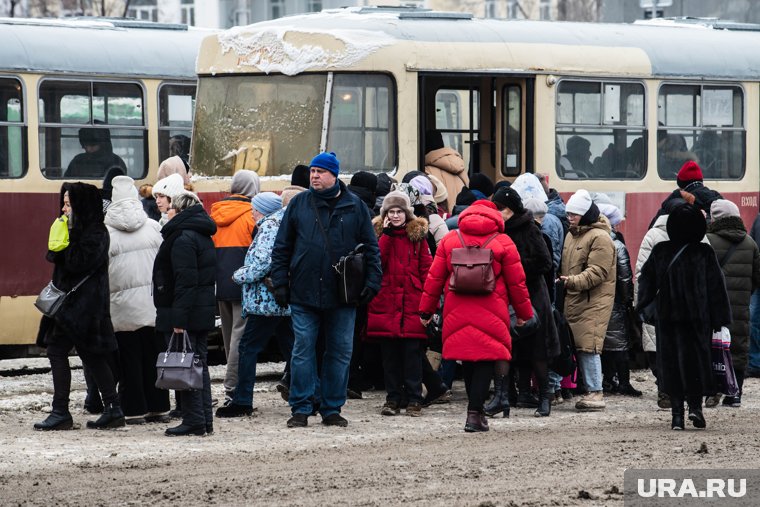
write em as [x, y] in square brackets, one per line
[327, 161]
[266, 203]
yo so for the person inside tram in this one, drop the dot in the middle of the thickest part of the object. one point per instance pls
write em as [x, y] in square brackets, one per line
[179, 145]
[672, 153]
[98, 156]
[707, 149]
[576, 163]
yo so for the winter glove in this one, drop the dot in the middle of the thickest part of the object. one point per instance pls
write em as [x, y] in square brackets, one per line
[366, 296]
[282, 296]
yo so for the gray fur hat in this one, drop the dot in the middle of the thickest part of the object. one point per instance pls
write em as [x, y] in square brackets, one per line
[397, 199]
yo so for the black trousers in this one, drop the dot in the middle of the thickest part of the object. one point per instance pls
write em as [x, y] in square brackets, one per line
[196, 405]
[402, 363]
[616, 362]
[138, 351]
[97, 365]
[477, 380]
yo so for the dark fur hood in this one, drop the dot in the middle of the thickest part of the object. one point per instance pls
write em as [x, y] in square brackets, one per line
[730, 228]
[416, 229]
[86, 204]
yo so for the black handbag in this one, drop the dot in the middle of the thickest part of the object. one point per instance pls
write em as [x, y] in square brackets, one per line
[179, 370]
[51, 298]
[349, 270]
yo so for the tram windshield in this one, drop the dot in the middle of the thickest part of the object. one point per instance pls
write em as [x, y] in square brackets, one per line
[270, 124]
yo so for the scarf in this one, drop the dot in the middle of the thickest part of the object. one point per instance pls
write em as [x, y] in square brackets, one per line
[327, 194]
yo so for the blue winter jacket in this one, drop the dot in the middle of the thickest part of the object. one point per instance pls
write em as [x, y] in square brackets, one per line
[257, 298]
[552, 227]
[303, 261]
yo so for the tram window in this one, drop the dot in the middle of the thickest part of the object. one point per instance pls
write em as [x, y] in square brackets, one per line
[176, 106]
[361, 130]
[267, 124]
[456, 117]
[600, 130]
[12, 130]
[89, 127]
[511, 131]
[703, 123]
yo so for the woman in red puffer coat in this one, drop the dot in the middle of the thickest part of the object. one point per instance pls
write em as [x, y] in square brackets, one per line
[393, 315]
[476, 327]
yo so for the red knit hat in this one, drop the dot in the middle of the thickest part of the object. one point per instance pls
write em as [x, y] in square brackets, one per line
[689, 172]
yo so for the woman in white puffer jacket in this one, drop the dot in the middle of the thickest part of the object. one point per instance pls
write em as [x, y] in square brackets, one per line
[135, 240]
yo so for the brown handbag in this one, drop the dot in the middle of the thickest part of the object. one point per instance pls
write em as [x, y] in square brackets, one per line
[472, 268]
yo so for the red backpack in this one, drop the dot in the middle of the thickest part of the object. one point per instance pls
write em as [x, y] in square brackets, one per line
[472, 268]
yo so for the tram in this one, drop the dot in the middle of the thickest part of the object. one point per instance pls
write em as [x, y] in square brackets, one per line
[614, 108]
[130, 85]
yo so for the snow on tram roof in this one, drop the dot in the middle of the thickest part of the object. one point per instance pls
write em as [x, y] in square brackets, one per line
[341, 37]
[99, 46]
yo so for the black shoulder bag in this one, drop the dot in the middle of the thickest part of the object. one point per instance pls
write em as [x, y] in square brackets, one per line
[349, 269]
[648, 313]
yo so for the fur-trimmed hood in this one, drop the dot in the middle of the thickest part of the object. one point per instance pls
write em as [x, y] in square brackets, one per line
[731, 228]
[416, 229]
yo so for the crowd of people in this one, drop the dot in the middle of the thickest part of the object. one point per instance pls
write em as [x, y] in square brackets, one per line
[530, 294]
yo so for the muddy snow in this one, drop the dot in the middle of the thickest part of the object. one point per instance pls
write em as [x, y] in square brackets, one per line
[569, 458]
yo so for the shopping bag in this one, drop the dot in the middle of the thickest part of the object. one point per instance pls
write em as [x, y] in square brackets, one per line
[722, 363]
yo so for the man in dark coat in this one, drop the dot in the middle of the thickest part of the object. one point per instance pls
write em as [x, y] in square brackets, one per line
[691, 301]
[184, 275]
[98, 156]
[739, 259]
[84, 320]
[319, 227]
[753, 368]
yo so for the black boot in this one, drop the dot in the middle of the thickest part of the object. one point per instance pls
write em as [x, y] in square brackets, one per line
[500, 400]
[544, 404]
[184, 430]
[55, 421]
[112, 417]
[526, 400]
[695, 413]
[676, 410]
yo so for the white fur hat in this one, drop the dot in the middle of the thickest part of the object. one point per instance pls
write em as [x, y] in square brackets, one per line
[170, 186]
[579, 203]
[123, 188]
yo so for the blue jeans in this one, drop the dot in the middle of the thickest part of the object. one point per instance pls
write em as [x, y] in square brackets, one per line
[754, 341]
[337, 325]
[591, 368]
[555, 381]
[258, 331]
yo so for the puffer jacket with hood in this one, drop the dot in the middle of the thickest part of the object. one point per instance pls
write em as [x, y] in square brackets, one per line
[85, 317]
[475, 326]
[234, 233]
[588, 261]
[135, 240]
[742, 274]
[616, 339]
[448, 166]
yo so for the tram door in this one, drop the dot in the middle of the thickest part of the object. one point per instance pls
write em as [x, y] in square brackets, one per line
[483, 117]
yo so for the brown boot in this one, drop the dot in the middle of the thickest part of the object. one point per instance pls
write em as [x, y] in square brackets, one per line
[475, 422]
[592, 401]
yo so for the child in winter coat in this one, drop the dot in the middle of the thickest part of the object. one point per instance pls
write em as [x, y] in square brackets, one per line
[393, 313]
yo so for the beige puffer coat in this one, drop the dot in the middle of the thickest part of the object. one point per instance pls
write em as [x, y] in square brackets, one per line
[447, 165]
[588, 260]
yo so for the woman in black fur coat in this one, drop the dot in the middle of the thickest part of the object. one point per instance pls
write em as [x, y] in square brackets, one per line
[530, 354]
[84, 320]
[692, 302]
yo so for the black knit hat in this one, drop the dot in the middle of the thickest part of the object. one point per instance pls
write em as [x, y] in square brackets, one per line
[591, 216]
[433, 140]
[480, 181]
[364, 179]
[507, 197]
[411, 175]
[465, 197]
[384, 183]
[300, 176]
[686, 224]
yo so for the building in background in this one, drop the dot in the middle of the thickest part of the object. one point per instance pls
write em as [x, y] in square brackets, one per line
[229, 13]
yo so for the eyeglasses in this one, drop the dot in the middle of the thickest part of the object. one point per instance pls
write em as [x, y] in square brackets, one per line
[396, 212]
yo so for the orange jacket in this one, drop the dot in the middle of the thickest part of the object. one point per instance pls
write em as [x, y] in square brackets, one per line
[234, 234]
